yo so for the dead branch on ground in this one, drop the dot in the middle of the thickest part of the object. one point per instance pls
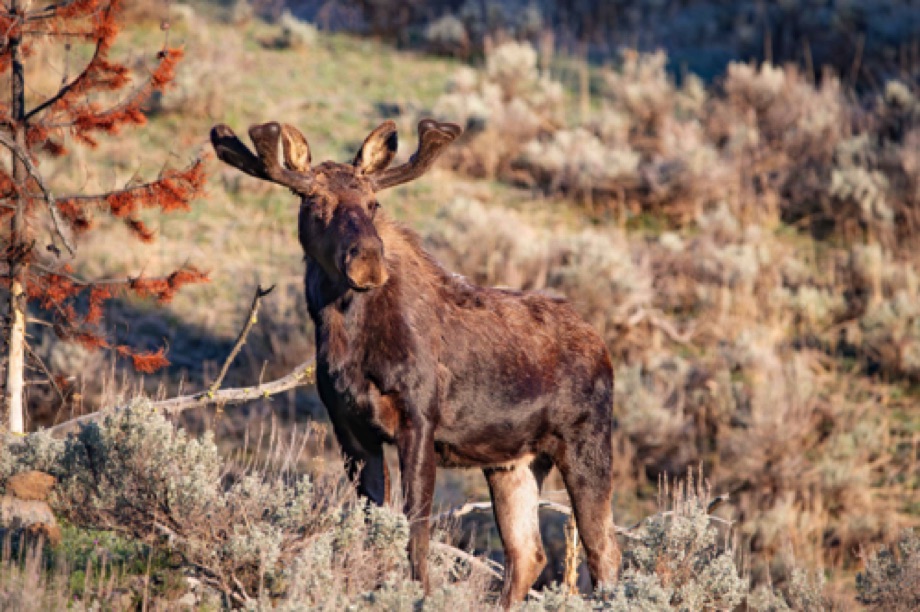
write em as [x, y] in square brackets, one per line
[627, 532]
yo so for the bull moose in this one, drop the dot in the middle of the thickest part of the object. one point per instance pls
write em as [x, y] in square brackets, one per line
[453, 374]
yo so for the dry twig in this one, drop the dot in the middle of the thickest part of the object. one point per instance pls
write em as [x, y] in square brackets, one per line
[301, 376]
[45, 371]
[476, 561]
[627, 532]
[241, 339]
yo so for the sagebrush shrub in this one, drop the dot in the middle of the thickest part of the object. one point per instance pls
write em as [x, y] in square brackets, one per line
[250, 533]
[676, 560]
[891, 579]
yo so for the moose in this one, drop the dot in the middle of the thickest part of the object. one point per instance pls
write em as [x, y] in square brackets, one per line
[455, 375]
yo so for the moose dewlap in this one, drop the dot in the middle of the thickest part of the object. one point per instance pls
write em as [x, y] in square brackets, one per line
[453, 374]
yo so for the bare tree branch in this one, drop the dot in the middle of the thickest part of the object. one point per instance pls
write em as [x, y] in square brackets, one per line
[100, 200]
[10, 144]
[87, 283]
[302, 376]
[129, 99]
[66, 89]
[45, 371]
[241, 339]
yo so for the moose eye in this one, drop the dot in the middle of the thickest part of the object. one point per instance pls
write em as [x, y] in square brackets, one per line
[372, 206]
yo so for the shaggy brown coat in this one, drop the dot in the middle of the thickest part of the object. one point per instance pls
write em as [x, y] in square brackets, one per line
[453, 374]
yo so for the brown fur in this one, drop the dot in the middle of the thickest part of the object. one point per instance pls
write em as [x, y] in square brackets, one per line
[453, 374]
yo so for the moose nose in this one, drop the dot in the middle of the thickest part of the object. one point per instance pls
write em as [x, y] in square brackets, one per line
[366, 247]
[364, 263]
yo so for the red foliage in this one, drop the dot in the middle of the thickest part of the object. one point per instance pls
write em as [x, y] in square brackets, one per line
[88, 340]
[38, 137]
[140, 229]
[97, 298]
[51, 290]
[75, 216]
[59, 294]
[82, 108]
[148, 362]
[171, 192]
[87, 116]
[164, 289]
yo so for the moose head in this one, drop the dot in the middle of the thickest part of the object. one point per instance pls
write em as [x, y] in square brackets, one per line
[338, 201]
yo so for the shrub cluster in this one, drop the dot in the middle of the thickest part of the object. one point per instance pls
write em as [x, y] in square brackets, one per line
[862, 39]
[258, 534]
[891, 580]
[768, 143]
[250, 534]
[506, 105]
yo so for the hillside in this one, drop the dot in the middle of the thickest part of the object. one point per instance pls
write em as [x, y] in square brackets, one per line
[747, 248]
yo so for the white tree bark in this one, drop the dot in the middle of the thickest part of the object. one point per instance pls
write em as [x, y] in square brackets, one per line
[16, 364]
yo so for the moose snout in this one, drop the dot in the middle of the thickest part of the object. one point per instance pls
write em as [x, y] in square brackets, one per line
[364, 265]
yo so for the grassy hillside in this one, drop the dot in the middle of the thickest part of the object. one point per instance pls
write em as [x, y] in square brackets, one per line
[748, 251]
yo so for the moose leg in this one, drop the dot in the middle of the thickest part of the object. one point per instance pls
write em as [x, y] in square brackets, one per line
[515, 498]
[362, 447]
[364, 461]
[417, 466]
[587, 472]
[370, 468]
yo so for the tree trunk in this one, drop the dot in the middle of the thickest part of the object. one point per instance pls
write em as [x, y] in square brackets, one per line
[18, 249]
[16, 362]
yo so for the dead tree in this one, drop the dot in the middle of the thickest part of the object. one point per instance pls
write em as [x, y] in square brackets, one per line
[101, 98]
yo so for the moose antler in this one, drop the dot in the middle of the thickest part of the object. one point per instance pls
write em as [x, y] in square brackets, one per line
[232, 151]
[283, 154]
[433, 138]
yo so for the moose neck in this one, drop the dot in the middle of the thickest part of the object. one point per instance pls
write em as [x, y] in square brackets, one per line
[327, 292]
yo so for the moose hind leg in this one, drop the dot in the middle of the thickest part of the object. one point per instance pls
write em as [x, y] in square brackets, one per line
[586, 469]
[515, 499]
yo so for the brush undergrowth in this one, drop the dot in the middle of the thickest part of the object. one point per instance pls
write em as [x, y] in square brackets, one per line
[747, 249]
[154, 513]
[751, 268]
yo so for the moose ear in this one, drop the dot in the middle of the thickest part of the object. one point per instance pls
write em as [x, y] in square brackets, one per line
[295, 148]
[378, 150]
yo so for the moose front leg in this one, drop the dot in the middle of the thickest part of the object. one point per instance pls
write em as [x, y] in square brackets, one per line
[368, 467]
[417, 465]
[362, 447]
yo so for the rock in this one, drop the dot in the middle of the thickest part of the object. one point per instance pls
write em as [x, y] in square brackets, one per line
[31, 515]
[24, 507]
[31, 485]
[189, 600]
